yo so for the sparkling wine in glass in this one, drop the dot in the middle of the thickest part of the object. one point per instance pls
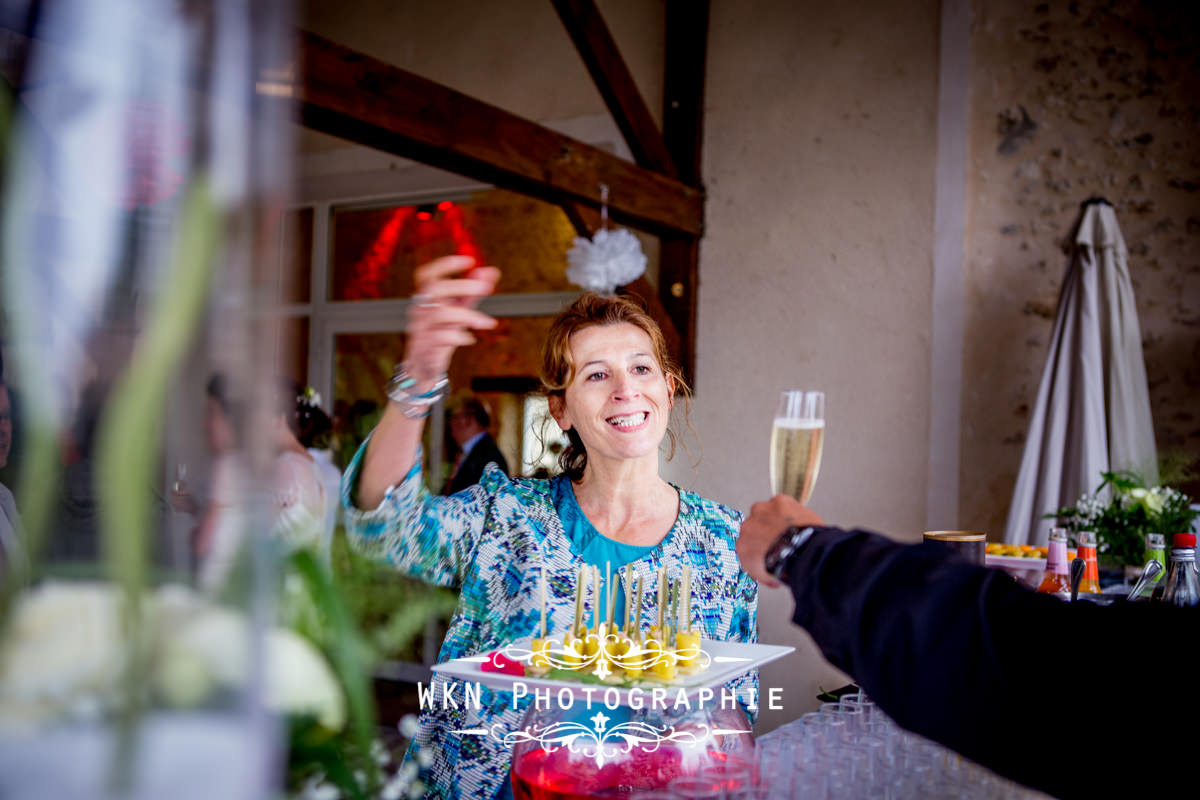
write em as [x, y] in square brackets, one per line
[796, 441]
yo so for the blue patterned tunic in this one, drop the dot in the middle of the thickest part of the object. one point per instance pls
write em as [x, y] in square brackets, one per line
[491, 541]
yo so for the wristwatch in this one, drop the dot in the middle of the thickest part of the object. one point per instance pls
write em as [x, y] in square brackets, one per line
[788, 543]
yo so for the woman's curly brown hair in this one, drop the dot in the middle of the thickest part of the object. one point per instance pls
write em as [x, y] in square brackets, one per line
[558, 369]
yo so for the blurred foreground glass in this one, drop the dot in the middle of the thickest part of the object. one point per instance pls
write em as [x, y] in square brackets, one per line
[971, 545]
[146, 158]
[797, 439]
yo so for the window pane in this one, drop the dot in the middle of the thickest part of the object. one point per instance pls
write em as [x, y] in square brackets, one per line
[297, 256]
[293, 349]
[363, 364]
[501, 368]
[374, 251]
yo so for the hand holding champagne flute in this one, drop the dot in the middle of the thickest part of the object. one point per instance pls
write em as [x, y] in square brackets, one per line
[797, 439]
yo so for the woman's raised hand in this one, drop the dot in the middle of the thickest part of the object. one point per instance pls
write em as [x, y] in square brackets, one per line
[443, 313]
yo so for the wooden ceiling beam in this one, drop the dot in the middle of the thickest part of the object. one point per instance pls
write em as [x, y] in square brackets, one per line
[353, 96]
[683, 128]
[685, 58]
[612, 77]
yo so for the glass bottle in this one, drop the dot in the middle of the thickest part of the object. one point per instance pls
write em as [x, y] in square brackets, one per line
[1090, 584]
[1156, 550]
[1182, 586]
[1056, 581]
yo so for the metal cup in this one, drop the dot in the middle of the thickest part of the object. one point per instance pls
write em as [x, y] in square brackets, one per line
[971, 545]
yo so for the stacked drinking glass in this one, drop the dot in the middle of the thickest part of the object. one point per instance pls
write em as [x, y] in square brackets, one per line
[847, 749]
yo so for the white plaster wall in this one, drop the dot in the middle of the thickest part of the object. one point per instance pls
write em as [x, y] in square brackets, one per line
[819, 159]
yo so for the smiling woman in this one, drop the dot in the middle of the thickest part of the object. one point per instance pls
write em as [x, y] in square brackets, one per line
[611, 385]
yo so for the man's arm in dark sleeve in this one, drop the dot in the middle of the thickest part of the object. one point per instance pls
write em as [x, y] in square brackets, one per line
[1014, 680]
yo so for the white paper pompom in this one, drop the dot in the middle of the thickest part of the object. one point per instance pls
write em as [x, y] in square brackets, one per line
[612, 258]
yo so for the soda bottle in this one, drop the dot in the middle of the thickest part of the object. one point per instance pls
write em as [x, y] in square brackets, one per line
[1156, 550]
[1091, 567]
[1056, 580]
[1182, 587]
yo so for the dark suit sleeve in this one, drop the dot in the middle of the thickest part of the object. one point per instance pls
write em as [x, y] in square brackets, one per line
[1020, 682]
[470, 472]
[488, 452]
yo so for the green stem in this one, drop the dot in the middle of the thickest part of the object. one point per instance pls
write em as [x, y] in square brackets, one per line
[129, 436]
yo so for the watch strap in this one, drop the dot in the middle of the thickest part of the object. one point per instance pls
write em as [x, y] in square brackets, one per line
[785, 547]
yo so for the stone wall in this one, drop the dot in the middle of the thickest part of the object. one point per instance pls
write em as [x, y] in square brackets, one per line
[1071, 100]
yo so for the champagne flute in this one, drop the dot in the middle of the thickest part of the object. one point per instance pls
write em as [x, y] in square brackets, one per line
[797, 439]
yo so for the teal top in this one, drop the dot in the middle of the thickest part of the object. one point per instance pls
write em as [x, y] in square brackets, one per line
[596, 550]
[594, 547]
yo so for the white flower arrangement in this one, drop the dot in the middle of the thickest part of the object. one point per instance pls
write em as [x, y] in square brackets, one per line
[64, 655]
[1122, 511]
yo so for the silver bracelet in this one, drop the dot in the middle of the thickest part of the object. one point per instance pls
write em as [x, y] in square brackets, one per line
[414, 406]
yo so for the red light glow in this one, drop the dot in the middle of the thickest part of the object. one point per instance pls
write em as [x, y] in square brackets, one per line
[370, 270]
[399, 238]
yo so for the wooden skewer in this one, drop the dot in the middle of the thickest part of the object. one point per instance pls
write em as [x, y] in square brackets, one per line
[673, 590]
[579, 600]
[627, 585]
[612, 595]
[637, 615]
[597, 612]
[687, 597]
[662, 598]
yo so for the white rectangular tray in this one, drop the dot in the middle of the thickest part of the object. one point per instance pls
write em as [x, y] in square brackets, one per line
[729, 660]
[1016, 562]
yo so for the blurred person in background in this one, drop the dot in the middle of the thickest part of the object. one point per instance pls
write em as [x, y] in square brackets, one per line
[218, 532]
[75, 535]
[468, 422]
[966, 656]
[6, 424]
[11, 549]
[298, 498]
[297, 487]
[10, 434]
[314, 430]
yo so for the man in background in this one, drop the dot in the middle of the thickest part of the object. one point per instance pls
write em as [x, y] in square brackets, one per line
[468, 422]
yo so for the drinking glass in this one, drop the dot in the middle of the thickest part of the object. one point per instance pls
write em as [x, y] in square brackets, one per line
[852, 712]
[797, 438]
[695, 788]
[729, 776]
[971, 545]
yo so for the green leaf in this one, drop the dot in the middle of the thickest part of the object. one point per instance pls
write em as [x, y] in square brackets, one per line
[345, 651]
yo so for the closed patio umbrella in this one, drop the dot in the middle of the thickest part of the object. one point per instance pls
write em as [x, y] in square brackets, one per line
[1093, 406]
